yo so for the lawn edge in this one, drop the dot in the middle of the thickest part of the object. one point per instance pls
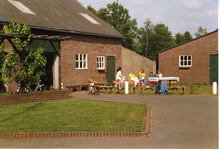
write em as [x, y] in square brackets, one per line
[44, 135]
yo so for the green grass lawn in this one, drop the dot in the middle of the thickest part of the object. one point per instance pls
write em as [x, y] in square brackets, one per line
[71, 115]
[202, 90]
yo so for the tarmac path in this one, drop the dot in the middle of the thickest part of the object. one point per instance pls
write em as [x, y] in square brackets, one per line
[177, 122]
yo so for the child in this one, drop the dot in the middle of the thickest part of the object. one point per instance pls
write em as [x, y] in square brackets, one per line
[159, 74]
[151, 76]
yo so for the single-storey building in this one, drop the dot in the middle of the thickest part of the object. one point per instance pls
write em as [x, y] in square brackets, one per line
[131, 60]
[195, 61]
[93, 51]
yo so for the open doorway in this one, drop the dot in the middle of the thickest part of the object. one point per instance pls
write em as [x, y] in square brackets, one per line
[47, 79]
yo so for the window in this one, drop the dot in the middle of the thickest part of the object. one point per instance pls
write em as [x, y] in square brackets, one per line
[81, 61]
[21, 7]
[185, 60]
[93, 21]
[100, 62]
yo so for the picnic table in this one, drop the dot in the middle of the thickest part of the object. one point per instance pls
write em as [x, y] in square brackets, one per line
[169, 79]
[156, 79]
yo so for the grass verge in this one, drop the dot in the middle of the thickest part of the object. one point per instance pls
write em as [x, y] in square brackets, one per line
[71, 115]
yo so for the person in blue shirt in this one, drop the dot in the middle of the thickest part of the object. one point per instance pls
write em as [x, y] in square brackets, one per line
[151, 76]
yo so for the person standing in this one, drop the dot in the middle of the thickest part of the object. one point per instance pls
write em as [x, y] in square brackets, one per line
[119, 77]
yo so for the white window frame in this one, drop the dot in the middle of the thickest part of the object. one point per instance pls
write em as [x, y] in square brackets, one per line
[100, 62]
[82, 60]
[184, 62]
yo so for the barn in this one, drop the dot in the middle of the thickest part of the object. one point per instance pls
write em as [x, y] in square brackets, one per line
[195, 61]
[93, 51]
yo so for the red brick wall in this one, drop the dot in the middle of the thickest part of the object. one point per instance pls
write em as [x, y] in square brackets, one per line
[200, 49]
[93, 46]
[34, 97]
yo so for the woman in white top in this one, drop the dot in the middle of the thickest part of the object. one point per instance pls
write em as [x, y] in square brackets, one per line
[119, 77]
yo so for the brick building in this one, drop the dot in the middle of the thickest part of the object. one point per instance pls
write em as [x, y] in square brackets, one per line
[195, 61]
[94, 45]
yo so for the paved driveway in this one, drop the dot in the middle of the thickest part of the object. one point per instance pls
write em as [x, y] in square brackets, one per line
[177, 122]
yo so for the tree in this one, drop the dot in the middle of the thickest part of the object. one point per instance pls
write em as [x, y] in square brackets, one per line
[118, 17]
[179, 38]
[187, 36]
[22, 65]
[201, 31]
[144, 37]
[161, 38]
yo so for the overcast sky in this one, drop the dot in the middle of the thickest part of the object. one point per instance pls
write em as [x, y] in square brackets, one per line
[178, 15]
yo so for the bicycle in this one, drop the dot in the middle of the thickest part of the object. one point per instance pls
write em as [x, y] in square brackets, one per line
[27, 87]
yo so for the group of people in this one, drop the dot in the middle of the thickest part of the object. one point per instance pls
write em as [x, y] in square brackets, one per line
[140, 79]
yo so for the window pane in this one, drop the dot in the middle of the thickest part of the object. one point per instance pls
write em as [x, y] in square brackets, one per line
[84, 64]
[77, 64]
[102, 65]
[80, 65]
[80, 56]
[189, 63]
[181, 57]
[185, 62]
[97, 65]
[84, 58]
[181, 63]
[77, 57]
[185, 57]
[97, 59]
[189, 57]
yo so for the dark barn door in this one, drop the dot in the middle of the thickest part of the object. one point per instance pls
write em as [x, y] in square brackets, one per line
[213, 69]
[110, 69]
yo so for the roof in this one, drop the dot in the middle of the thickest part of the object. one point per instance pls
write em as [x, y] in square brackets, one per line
[187, 41]
[3, 19]
[58, 15]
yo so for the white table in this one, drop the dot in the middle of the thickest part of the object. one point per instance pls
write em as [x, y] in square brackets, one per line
[156, 79]
[164, 78]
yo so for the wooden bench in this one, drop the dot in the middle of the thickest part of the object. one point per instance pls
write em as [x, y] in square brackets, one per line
[99, 86]
[77, 87]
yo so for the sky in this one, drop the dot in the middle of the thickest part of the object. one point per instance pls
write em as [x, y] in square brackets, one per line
[178, 15]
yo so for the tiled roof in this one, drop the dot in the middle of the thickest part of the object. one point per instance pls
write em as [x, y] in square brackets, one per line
[59, 15]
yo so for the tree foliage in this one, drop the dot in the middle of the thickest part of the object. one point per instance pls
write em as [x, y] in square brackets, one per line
[187, 36]
[118, 17]
[201, 31]
[21, 65]
[154, 38]
[144, 37]
[181, 38]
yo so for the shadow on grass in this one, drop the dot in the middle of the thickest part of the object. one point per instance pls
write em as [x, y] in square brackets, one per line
[26, 110]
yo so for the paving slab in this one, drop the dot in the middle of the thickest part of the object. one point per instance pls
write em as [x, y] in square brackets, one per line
[177, 122]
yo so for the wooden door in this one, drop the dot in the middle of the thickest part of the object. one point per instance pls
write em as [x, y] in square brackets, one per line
[213, 69]
[110, 69]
